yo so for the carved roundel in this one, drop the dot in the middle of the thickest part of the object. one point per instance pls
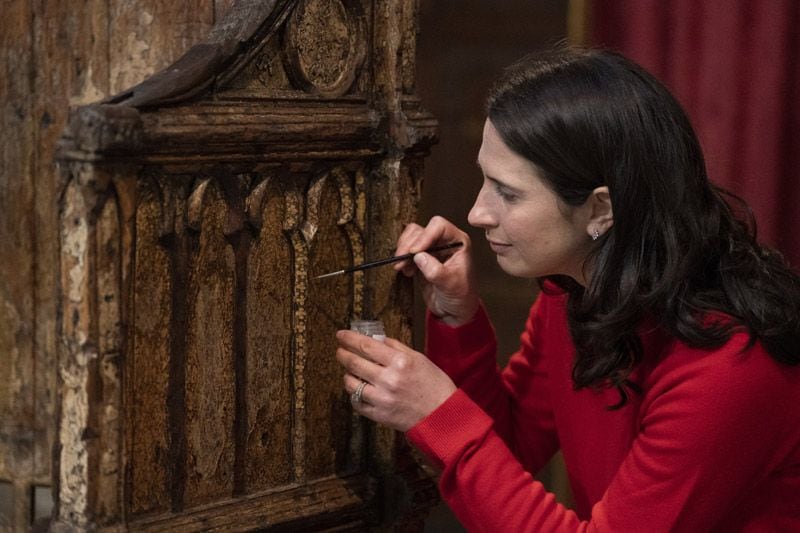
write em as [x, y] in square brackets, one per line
[325, 45]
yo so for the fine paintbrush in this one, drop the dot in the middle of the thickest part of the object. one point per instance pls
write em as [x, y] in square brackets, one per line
[388, 260]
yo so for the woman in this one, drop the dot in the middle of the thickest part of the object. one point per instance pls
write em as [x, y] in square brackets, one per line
[661, 355]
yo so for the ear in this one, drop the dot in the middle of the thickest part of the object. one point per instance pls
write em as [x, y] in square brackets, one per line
[601, 213]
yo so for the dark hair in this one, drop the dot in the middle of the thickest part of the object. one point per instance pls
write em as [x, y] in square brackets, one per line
[678, 253]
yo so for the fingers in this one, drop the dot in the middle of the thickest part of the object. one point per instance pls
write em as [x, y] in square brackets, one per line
[366, 358]
[438, 231]
[416, 238]
[398, 395]
[351, 385]
[357, 365]
[364, 346]
[410, 235]
[370, 359]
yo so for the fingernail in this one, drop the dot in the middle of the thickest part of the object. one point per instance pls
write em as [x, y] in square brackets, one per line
[421, 259]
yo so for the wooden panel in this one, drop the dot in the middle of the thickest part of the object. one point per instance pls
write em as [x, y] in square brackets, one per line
[332, 504]
[148, 375]
[16, 226]
[269, 329]
[17, 248]
[147, 35]
[210, 394]
[329, 308]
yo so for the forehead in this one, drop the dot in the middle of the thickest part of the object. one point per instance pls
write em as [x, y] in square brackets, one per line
[500, 162]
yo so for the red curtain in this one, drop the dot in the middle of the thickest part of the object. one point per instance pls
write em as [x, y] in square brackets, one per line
[734, 66]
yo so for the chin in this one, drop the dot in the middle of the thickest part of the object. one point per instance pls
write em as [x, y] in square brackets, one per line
[516, 269]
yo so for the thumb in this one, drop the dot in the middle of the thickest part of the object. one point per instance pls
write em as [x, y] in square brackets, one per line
[428, 266]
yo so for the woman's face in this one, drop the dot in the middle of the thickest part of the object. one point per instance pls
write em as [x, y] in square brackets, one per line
[532, 233]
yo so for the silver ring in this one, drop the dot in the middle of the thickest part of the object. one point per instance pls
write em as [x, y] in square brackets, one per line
[355, 398]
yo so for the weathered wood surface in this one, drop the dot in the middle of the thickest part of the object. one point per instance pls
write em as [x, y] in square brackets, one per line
[147, 36]
[267, 432]
[17, 248]
[53, 55]
[209, 360]
[149, 376]
[198, 384]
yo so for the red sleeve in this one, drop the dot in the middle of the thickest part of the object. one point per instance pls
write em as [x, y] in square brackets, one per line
[468, 354]
[711, 430]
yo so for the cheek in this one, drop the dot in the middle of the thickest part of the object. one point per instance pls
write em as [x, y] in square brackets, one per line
[525, 231]
[537, 238]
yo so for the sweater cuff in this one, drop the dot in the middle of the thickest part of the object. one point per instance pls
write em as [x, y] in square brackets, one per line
[445, 432]
[443, 340]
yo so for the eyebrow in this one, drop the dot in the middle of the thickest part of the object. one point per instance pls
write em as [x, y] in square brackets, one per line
[504, 185]
[497, 181]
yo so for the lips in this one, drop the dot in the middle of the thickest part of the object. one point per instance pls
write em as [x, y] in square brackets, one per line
[498, 247]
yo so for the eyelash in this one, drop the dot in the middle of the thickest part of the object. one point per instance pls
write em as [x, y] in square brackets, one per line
[504, 194]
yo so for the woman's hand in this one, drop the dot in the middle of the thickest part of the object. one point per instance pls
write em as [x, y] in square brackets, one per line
[402, 385]
[448, 286]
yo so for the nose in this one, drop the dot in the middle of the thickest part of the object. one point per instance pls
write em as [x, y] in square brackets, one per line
[481, 215]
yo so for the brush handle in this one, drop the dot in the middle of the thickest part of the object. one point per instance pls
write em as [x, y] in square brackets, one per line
[403, 257]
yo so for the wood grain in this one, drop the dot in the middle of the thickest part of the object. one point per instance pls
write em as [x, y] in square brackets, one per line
[109, 323]
[209, 416]
[18, 443]
[329, 308]
[17, 248]
[269, 411]
[148, 374]
[147, 35]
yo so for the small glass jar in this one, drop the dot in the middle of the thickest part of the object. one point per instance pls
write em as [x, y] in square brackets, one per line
[371, 328]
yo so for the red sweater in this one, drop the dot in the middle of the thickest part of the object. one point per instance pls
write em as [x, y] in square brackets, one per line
[711, 444]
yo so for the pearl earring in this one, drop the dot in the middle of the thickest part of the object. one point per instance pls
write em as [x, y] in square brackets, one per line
[595, 235]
